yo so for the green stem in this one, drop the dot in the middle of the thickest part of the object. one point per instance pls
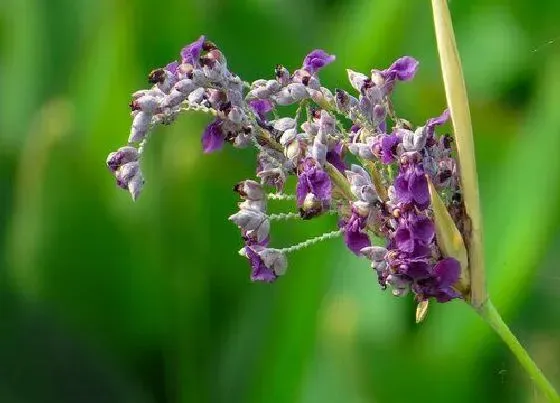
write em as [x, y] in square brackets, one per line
[489, 313]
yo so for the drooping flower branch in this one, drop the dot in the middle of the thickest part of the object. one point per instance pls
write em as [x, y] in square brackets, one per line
[350, 153]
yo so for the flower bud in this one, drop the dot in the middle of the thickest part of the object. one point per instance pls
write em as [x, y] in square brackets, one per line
[140, 126]
[125, 173]
[310, 128]
[375, 253]
[297, 91]
[236, 115]
[284, 97]
[122, 156]
[147, 103]
[254, 223]
[273, 86]
[275, 260]
[357, 79]
[196, 96]
[284, 124]
[249, 190]
[282, 75]
[135, 185]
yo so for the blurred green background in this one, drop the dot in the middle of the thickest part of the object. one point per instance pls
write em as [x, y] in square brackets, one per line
[103, 300]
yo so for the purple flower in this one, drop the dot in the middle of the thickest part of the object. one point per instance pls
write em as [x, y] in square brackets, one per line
[355, 238]
[261, 107]
[316, 60]
[439, 284]
[418, 269]
[432, 123]
[334, 156]
[313, 179]
[212, 138]
[191, 53]
[259, 271]
[313, 190]
[422, 228]
[172, 67]
[411, 186]
[404, 239]
[403, 69]
[122, 156]
[389, 148]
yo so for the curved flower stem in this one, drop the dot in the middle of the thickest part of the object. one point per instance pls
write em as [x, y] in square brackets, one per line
[489, 313]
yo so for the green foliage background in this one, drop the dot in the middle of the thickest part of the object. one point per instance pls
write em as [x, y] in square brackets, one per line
[103, 300]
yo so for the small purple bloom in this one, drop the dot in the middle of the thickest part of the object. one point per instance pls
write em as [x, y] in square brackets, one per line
[404, 240]
[422, 228]
[432, 123]
[355, 238]
[261, 107]
[411, 185]
[191, 53]
[212, 138]
[316, 60]
[122, 156]
[389, 148]
[259, 271]
[418, 188]
[334, 156]
[313, 179]
[172, 67]
[439, 285]
[418, 269]
[403, 69]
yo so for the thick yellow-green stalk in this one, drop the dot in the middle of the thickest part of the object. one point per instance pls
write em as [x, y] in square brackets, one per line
[458, 104]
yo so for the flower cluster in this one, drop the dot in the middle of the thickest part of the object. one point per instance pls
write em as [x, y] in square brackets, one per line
[351, 154]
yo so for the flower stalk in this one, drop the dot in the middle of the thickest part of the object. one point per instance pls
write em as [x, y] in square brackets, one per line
[489, 313]
[458, 104]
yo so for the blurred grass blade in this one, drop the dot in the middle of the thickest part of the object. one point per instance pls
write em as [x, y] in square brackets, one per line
[448, 237]
[457, 101]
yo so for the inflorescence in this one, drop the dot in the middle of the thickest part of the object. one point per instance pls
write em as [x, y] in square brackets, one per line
[381, 196]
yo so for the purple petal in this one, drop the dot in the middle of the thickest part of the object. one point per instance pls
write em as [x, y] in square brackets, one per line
[316, 60]
[446, 295]
[389, 148]
[418, 270]
[418, 188]
[447, 271]
[212, 138]
[334, 156]
[421, 251]
[404, 240]
[404, 68]
[191, 53]
[354, 238]
[356, 241]
[172, 67]
[261, 107]
[259, 271]
[301, 190]
[423, 229]
[321, 186]
[401, 189]
[440, 120]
